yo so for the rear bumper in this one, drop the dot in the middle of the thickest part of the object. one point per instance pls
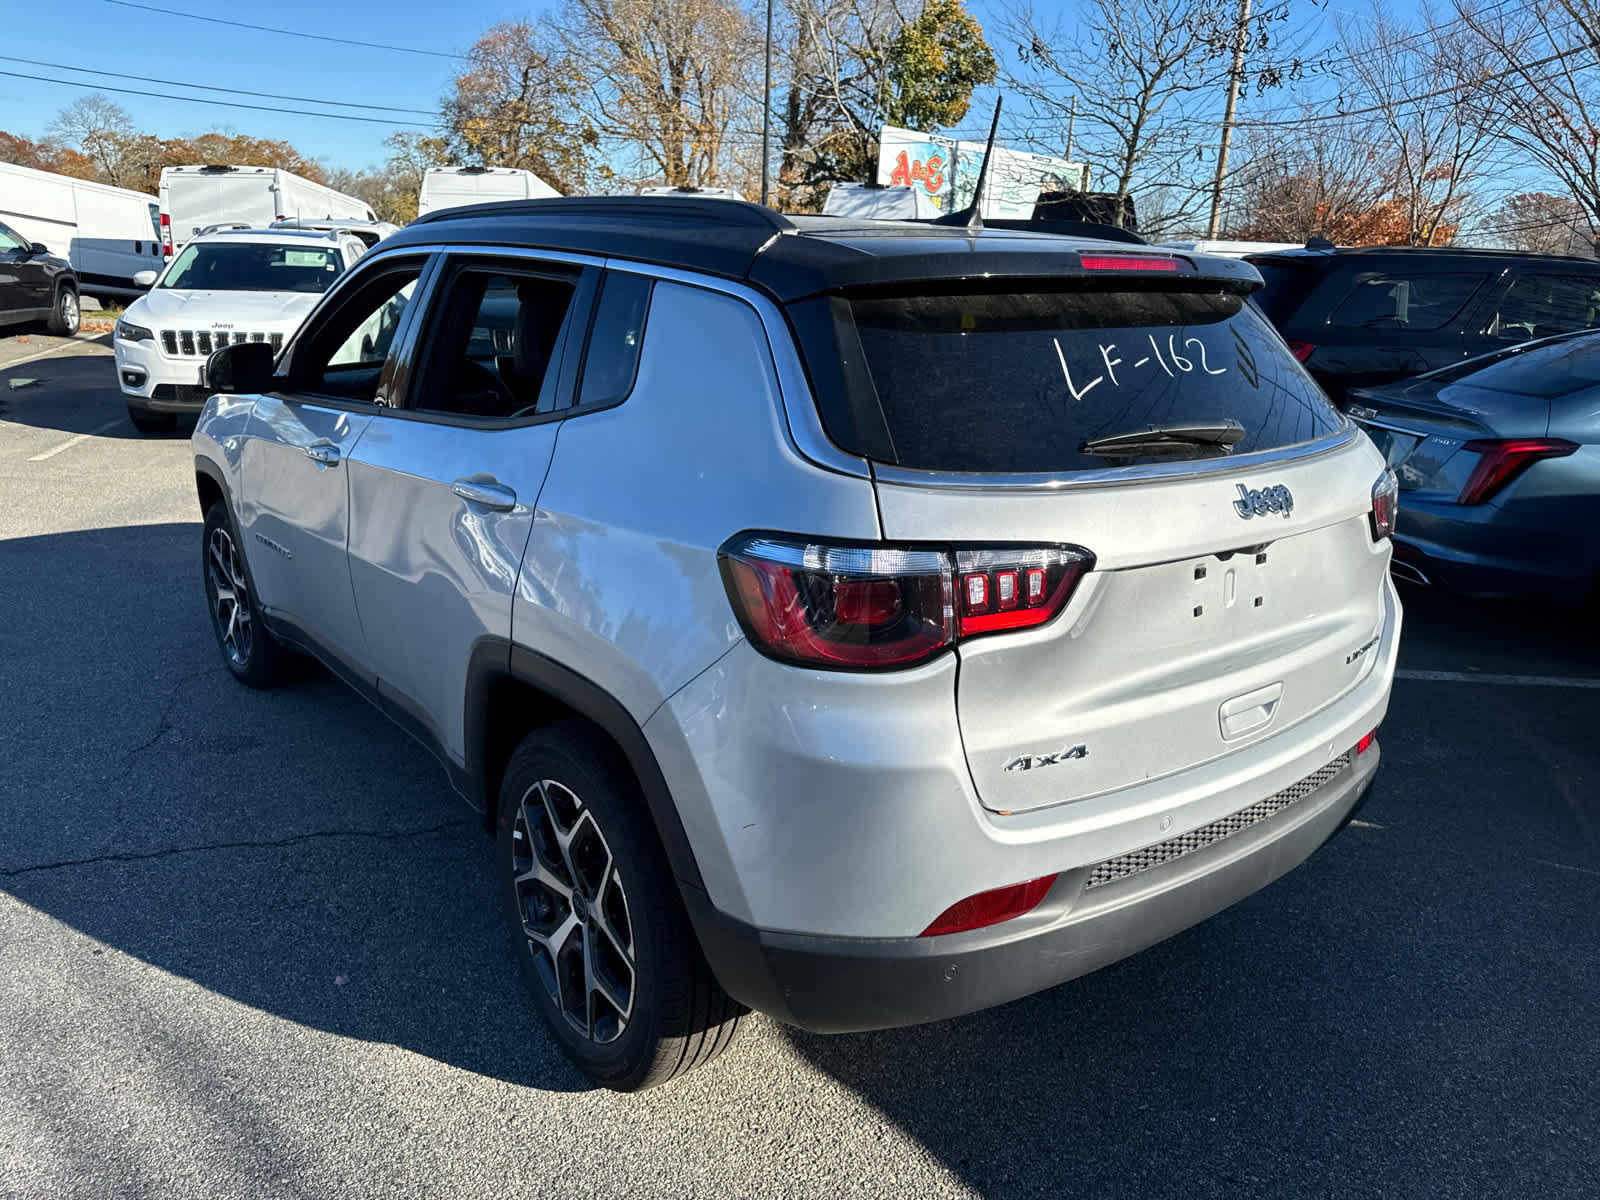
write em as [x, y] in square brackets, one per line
[1489, 550]
[838, 985]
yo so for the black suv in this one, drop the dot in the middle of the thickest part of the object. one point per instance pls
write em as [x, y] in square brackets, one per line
[35, 285]
[1358, 317]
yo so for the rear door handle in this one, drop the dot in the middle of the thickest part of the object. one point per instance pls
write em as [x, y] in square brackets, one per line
[325, 453]
[485, 492]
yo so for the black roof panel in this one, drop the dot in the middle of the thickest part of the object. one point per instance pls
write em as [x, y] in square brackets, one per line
[789, 257]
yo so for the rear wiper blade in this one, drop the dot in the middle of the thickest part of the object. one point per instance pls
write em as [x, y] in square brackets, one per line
[1188, 433]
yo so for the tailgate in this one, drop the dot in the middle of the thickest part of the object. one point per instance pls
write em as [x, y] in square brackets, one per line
[1199, 631]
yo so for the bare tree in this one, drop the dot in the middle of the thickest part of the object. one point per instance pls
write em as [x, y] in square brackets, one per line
[518, 103]
[664, 78]
[1548, 99]
[1301, 181]
[1436, 147]
[103, 131]
[1541, 224]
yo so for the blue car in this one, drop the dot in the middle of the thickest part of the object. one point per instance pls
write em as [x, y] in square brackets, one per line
[1498, 459]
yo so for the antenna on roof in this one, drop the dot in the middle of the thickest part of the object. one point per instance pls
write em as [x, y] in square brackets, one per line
[972, 215]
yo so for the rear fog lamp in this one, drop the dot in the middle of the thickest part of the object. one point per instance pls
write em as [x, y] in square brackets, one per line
[991, 907]
[1365, 743]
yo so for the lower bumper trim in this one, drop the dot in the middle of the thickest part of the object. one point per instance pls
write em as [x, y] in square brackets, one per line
[839, 985]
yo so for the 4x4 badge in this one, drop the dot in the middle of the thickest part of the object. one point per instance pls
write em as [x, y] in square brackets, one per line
[1028, 762]
[1254, 502]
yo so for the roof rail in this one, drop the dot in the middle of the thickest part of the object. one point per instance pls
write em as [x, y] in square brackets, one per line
[654, 208]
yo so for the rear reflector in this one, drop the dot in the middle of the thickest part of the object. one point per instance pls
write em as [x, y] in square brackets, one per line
[1301, 350]
[1366, 743]
[855, 606]
[1127, 262]
[1502, 460]
[990, 908]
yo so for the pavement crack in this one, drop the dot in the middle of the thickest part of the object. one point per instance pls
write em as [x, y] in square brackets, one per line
[163, 721]
[261, 844]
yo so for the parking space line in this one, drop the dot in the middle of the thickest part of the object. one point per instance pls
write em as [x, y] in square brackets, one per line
[17, 362]
[1557, 681]
[73, 441]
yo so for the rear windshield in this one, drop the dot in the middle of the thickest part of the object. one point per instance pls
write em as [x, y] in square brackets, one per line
[1546, 370]
[1021, 382]
[252, 267]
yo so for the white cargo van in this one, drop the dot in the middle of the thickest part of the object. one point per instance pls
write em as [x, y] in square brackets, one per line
[108, 234]
[451, 187]
[194, 198]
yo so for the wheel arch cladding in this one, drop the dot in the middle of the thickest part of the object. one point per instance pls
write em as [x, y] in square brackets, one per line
[512, 691]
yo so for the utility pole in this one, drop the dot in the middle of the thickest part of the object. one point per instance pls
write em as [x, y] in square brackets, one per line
[766, 117]
[1072, 123]
[1235, 77]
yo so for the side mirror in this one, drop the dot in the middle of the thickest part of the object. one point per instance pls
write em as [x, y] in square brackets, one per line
[38, 248]
[240, 369]
[144, 279]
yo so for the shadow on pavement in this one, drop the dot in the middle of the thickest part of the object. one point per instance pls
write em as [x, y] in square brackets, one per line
[73, 390]
[290, 850]
[1410, 1012]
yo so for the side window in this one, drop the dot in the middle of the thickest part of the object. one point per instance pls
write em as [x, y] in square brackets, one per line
[9, 241]
[1536, 306]
[1414, 303]
[493, 346]
[345, 356]
[615, 340]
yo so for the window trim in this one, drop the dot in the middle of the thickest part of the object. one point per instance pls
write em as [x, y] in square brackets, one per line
[289, 385]
[452, 261]
[575, 406]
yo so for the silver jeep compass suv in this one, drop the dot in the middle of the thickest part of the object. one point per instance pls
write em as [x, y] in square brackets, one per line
[861, 624]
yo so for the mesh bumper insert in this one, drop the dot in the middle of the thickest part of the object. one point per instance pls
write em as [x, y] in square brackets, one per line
[1120, 867]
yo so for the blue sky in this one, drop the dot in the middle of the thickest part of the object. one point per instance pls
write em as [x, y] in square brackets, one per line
[169, 45]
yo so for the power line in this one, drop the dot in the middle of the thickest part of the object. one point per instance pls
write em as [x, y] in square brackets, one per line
[298, 112]
[211, 87]
[1433, 95]
[299, 33]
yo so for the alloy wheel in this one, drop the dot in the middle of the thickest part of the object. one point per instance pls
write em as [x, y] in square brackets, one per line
[230, 598]
[70, 316]
[574, 911]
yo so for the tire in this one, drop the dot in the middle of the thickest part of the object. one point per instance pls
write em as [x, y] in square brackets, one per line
[146, 421]
[250, 651]
[65, 315]
[572, 824]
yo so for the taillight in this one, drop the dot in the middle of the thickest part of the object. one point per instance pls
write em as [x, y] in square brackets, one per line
[1013, 589]
[1385, 503]
[1503, 459]
[1301, 350]
[1127, 262]
[854, 606]
[991, 907]
[166, 234]
[1365, 743]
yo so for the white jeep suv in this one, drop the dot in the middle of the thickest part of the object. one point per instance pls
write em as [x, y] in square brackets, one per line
[230, 286]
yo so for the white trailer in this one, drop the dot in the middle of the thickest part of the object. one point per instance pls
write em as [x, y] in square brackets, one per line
[879, 202]
[108, 234]
[193, 198]
[451, 187]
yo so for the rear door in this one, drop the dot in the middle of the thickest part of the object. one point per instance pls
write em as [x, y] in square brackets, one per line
[443, 491]
[1236, 591]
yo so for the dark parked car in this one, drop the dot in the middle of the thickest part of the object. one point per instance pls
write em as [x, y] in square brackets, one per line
[1499, 467]
[1361, 317]
[35, 285]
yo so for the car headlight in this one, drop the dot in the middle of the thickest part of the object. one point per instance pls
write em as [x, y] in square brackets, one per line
[127, 331]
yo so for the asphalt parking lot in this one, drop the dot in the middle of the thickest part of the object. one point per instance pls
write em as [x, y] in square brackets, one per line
[248, 945]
